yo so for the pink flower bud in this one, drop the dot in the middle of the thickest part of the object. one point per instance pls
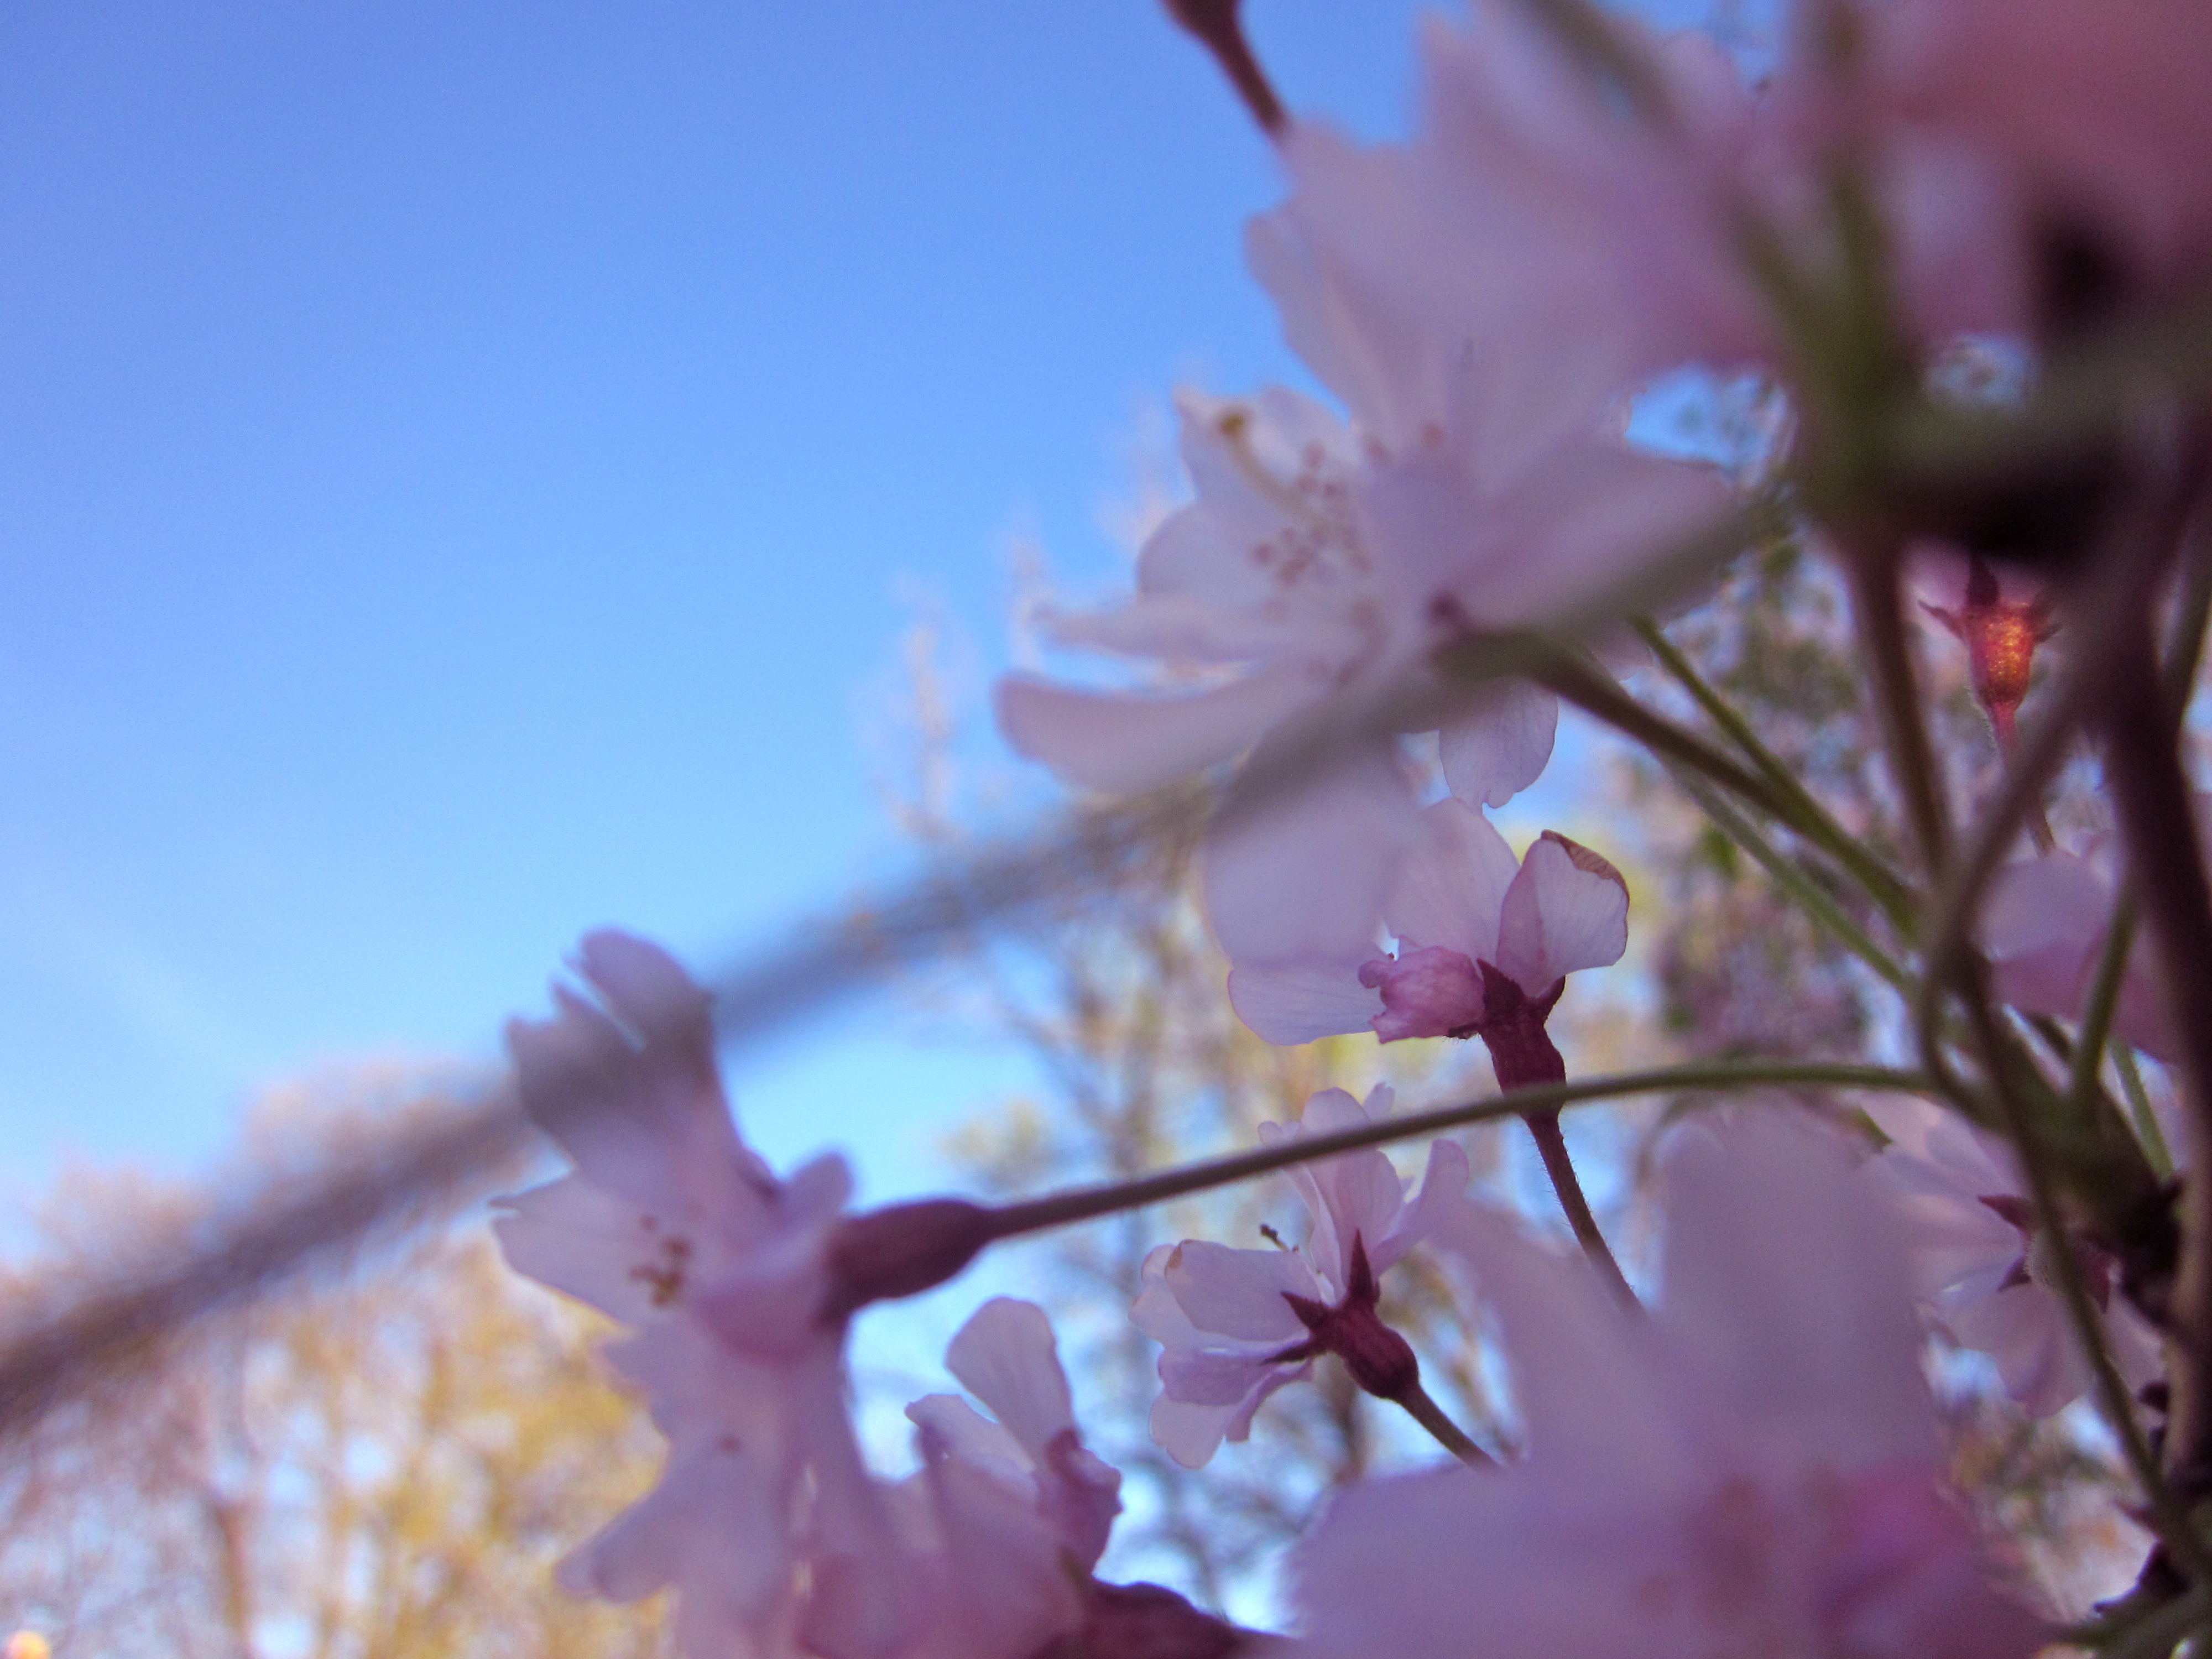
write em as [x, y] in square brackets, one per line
[899, 1250]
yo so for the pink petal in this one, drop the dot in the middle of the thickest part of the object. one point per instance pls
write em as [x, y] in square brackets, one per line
[1429, 993]
[1293, 1002]
[1502, 745]
[1786, 1293]
[1006, 1356]
[1125, 742]
[1450, 891]
[1299, 875]
[1238, 1293]
[1566, 910]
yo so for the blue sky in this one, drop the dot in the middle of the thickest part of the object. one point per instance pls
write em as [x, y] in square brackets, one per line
[464, 468]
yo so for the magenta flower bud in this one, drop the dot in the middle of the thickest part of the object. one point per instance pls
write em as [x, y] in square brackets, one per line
[899, 1250]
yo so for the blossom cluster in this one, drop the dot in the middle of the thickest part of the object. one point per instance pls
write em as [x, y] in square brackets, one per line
[1358, 635]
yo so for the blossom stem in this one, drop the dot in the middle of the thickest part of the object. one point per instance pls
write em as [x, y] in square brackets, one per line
[1218, 28]
[2140, 1112]
[2157, 820]
[1552, 1147]
[2112, 1397]
[1423, 1410]
[1897, 698]
[1078, 1204]
[1599, 696]
[1882, 884]
[1802, 885]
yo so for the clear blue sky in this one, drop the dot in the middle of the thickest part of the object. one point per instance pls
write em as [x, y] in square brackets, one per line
[460, 465]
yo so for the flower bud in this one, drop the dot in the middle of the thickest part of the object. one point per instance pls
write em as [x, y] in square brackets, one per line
[902, 1249]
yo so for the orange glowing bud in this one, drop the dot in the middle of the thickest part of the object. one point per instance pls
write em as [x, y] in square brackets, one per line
[2000, 635]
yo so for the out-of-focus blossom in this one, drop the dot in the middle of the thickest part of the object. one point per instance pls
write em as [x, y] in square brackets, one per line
[1999, 616]
[671, 1224]
[2044, 926]
[1237, 1325]
[1603, 203]
[1535, 202]
[1485, 945]
[1981, 1267]
[1009, 1516]
[1752, 1468]
[2093, 112]
[1017, 1511]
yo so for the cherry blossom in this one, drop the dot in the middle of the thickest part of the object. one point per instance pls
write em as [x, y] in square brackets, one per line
[1753, 1468]
[2044, 926]
[1235, 1326]
[1981, 1267]
[672, 1227]
[1484, 944]
[1017, 1511]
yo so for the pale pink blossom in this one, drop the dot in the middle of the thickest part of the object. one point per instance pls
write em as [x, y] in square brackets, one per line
[1312, 577]
[1607, 209]
[1005, 1522]
[1484, 944]
[1753, 1468]
[1016, 1511]
[674, 1227]
[2042, 927]
[1235, 1326]
[1982, 1268]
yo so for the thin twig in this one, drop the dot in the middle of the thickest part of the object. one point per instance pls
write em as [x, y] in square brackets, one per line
[1567, 1186]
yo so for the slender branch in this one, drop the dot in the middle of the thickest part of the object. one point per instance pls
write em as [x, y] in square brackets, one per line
[1598, 695]
[1077, 1203]
[1887, 887]
[1897, 697]
[2157, 821]
[1799, 884]
[2142, 1113]
[1453, 1438]
[2113, 1398]
[1552, 1147]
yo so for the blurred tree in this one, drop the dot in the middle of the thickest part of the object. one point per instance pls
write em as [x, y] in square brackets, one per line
[383, 1465]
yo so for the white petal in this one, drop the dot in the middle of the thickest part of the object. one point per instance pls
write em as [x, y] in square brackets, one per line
[1299, 873]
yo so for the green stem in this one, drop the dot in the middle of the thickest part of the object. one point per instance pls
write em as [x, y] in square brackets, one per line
[1799, 884]
[2089, 1040]
[1897, 697]
[1430, 1416]
[2141, 1112]
[2113, 1395]
[1883, 884]
[1077, 1203]
[1599, 695]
